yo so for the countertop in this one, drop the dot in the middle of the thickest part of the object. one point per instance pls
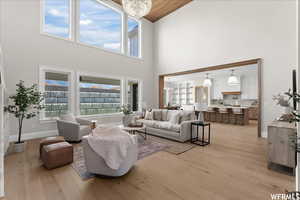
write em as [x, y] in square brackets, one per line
[219, 106]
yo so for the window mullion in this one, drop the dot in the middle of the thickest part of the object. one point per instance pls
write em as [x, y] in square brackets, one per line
[125, 33]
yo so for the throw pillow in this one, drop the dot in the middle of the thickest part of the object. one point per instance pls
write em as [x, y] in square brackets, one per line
[164, 115]
[157, 115]
[149, 115]
[174, 119]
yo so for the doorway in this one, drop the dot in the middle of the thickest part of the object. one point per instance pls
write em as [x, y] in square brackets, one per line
[231, 93]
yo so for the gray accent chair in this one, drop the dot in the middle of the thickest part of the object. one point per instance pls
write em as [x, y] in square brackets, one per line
[96, 164]
[73, 129]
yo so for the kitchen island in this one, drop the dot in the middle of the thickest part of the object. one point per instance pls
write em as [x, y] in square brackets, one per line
[227, 114]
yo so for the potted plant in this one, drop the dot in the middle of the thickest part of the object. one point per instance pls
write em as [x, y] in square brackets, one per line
[294, 117]
[127, 118]
[26, 104]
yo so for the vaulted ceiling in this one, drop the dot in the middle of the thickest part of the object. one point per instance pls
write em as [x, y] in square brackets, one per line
[161, 8]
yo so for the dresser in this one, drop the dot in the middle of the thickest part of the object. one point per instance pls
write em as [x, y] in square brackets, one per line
[280, 150]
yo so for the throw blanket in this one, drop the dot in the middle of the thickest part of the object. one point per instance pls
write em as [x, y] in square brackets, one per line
[111, 143]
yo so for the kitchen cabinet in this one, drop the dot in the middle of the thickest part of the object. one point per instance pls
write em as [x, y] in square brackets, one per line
[253, 112]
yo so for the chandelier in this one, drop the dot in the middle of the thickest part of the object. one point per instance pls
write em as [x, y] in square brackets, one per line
[137, 8]
[233, 80]
[207, 81]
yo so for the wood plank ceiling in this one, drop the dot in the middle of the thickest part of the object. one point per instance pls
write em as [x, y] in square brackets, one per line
[161, 8]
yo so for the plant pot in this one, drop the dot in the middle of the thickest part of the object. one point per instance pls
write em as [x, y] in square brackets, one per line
[19, 147]
[127, 119]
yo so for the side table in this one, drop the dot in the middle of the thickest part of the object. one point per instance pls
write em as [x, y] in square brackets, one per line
[201, 141]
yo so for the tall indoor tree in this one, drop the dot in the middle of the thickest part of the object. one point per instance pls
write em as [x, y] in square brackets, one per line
[25, 104]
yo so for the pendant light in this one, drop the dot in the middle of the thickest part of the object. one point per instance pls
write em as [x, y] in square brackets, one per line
[233, 80]
[137, 8]
[207, 81]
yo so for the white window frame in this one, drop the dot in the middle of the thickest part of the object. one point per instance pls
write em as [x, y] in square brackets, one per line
[74, 26]
[42, 71]
[80, 73]
[139, 37]
[71, 20]
[140, 84]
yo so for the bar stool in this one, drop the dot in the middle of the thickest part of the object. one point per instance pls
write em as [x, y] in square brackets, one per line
[224, 115]
[238, 115]
[212, 114]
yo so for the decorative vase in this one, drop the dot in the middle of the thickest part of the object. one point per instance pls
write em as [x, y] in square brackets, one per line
[127, 119]
[19, 147]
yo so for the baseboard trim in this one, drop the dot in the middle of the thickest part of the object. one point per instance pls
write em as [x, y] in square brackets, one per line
[33, 135]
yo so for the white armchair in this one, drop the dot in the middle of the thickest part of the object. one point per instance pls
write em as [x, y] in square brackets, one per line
[73, 129]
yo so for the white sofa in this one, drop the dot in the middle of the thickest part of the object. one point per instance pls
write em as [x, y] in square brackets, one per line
[161, 125]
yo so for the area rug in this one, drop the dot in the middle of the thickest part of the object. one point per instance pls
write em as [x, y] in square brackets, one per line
[146, 148]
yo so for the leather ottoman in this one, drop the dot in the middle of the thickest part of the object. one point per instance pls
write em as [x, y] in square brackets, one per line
[50, 140]
[57, 155]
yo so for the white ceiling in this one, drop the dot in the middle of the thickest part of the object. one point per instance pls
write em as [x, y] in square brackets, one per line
[239, 71]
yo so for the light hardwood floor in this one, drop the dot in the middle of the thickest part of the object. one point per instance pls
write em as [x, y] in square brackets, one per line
[234, 166]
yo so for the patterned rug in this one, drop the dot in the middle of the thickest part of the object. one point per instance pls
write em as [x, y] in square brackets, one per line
[146, 148]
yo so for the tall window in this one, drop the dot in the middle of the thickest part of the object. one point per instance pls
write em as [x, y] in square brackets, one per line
[99, 95]
[100, 25]
[133, 94]
[133, 37]
[56, 18]
[97, 23]
[56, 87]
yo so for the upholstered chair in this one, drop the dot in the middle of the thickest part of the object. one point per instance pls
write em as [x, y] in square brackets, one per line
[96, 164]
[72, 128]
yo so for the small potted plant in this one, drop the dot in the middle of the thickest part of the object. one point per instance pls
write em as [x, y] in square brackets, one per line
[294, 118]
[127, 118]
[25, 104]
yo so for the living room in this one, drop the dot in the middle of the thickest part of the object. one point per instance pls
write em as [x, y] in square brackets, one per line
[74, 50]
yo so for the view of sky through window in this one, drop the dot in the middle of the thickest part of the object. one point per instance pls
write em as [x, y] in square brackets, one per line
[56, 17]
[100, 25]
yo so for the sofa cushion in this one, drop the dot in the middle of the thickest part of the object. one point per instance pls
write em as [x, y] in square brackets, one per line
[167, 126]
[161, 125]
[175, 117]
[164, 115]
[149, 115]
[170, 113]
[157, 114]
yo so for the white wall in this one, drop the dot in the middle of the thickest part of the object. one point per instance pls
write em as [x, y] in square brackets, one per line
[25, 49]
[207, 33]
[1, 131]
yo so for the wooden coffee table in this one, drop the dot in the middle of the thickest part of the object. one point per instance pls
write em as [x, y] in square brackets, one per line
[135, 130]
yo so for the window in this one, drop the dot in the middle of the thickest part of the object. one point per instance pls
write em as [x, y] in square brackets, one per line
[97, 23]
[100, 25]
[99, 95]
[56, 87]
[133, 37]
[56, 18]
[133, 94]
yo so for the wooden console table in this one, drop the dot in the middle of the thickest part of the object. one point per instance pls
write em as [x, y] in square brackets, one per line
[280, 151]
